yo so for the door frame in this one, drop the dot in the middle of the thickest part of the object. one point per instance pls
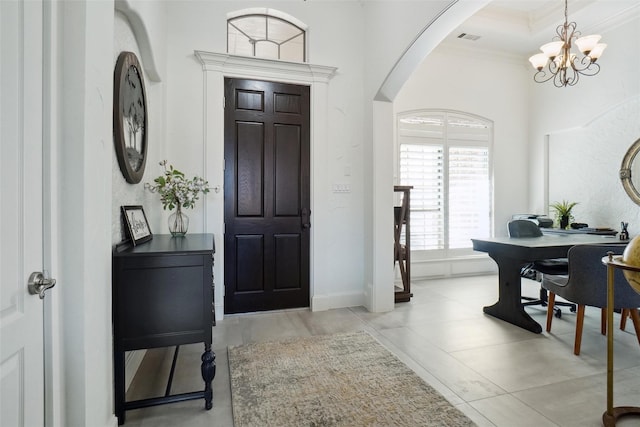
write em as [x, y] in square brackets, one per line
[217, 66]
[52, 319]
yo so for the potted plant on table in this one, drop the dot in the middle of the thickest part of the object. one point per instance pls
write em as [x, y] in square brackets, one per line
[176, 191]
[563, 215]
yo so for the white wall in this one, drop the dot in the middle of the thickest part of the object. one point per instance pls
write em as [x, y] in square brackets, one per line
[85, 38]
[491, 87]
[335, 39]
[466, 81]
[140, 27]
[127, 32]
[124, 193]
[557, 110]
[82, 100]
[363, 40]
[402, 33]
[592, 179]
[402, 23]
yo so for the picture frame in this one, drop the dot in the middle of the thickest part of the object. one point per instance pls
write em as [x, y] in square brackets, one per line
[136, 224]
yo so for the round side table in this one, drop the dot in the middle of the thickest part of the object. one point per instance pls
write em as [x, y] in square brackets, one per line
[612, 414]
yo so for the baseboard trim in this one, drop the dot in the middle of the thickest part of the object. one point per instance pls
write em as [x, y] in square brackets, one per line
[328, 302]
[471, 266]
[219, 311]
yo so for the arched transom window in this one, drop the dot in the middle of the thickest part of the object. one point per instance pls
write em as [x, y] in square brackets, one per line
[266, 34]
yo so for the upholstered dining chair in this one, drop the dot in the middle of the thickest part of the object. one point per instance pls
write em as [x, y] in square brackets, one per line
[558, 266]
[586, 285]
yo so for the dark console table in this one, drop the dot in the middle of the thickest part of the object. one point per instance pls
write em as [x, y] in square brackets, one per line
[162, 297]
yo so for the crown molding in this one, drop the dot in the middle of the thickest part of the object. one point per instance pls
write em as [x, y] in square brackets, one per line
[264, 68]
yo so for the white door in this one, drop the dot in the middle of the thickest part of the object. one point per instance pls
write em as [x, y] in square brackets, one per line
[21, 314]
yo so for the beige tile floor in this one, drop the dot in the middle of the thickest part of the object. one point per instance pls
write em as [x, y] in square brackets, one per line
[496, 373]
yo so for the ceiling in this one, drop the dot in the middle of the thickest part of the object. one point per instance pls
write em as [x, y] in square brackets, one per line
[519, 27]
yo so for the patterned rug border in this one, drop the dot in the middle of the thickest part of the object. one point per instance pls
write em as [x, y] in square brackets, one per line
[345, 379]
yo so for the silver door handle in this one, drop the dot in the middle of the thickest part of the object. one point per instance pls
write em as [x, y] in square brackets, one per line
[38, 284]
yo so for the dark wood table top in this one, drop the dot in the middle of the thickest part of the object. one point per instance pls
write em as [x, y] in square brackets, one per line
[543, 247]
[166, 243]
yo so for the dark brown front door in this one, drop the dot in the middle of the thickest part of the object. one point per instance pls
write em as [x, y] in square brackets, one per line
[266, 191]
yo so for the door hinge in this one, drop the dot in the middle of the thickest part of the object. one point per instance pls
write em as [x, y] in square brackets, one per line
[224, 102]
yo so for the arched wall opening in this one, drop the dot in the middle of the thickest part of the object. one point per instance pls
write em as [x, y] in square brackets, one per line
[380, 282]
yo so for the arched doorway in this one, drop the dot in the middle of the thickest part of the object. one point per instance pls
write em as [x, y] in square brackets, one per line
[381, 272]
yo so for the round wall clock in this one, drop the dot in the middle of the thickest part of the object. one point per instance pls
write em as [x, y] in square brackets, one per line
[130, 117]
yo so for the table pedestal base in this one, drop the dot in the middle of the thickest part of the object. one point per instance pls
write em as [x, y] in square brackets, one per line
[609, 419]
[509, 306]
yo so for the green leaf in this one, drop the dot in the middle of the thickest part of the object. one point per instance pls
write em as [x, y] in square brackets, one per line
[563, 208]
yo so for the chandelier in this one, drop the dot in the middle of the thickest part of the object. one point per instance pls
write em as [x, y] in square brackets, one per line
[557, 62]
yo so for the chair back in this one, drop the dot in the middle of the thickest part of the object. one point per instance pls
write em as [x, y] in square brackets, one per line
[587, 282]
[523, 228]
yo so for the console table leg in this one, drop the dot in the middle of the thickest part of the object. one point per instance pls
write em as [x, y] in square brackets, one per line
[208, 373]
[119, 380]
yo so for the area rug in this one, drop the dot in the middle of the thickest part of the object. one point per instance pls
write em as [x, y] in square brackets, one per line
[332, 380]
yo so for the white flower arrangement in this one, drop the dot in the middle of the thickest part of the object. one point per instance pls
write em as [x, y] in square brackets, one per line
[176, 190]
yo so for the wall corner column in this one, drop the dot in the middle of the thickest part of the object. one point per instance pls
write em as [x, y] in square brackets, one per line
[380, 297]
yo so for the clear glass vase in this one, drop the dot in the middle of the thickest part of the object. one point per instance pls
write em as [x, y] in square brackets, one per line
[178, 222]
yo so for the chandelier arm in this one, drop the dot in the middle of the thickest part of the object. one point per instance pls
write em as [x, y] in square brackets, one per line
[542, 76]
[583, 63]
[591, 68]
[559, 32]
[570, 77]
[562, 80]
[554, 67]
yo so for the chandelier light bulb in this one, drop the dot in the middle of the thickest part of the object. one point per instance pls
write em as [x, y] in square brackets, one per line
[597, 51]
[587, 43]
[552, 49]
[538, 61]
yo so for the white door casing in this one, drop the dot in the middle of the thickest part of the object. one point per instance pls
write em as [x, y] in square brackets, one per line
[21, 314]
[217, 66]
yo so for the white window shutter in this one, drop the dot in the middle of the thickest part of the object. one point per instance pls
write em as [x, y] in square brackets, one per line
[446, 158]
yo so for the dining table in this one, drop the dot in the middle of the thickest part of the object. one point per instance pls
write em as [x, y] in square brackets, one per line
[513, 253]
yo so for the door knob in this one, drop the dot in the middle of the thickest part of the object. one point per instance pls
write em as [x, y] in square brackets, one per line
[38, 284]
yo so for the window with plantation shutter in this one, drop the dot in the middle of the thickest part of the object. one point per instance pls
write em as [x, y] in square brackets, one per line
[422, 166]
[445, 156]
